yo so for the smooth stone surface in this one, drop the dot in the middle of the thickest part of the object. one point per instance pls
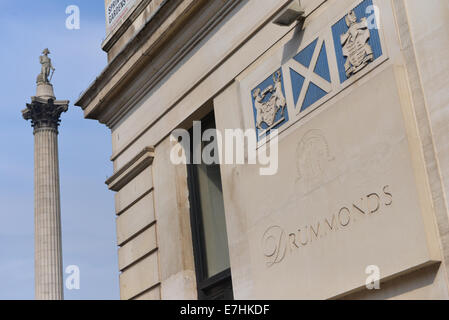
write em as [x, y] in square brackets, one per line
[45, 90]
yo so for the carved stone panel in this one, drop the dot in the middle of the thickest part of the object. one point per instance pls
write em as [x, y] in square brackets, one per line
[311, 69]
[349, 194]
[357, 40]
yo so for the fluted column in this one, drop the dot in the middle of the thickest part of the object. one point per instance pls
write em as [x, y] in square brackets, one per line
[48, 246]
[44, 113]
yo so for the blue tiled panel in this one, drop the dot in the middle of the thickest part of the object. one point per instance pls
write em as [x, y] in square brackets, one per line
[262, 86]
[322, 66]
[305, 56]
[314, 93]
[297, 84]
[341, 28]
[321, 69]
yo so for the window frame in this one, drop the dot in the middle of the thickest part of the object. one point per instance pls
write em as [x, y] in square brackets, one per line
[218, 286]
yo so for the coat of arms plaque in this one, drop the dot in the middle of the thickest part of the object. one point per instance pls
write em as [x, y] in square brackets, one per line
[355, 44]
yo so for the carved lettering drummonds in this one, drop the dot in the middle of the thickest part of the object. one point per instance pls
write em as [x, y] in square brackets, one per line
[274, 244]
[277, 242]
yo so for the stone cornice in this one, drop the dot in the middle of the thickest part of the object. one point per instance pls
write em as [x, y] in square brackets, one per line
[129, 171]
[170, 24]
[45, 113]
[94, 98]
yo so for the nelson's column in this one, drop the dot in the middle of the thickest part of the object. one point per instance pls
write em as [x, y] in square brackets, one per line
[44, 111]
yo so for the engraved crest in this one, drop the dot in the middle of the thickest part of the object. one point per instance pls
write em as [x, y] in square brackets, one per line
[355, 44]
[270, 104]
[313, 159]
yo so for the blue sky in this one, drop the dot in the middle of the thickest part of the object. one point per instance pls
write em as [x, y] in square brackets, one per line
[88, 222]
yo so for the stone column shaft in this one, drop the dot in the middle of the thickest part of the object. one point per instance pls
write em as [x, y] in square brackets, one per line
[44, 112]
[48, 241]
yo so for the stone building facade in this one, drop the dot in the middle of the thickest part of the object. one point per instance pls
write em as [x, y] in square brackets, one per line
[358, 93]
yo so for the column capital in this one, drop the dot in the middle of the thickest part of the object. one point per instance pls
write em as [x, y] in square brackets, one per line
[45, 113]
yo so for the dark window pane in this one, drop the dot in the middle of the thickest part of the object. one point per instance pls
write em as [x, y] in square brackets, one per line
[213, 218]
[210, 240]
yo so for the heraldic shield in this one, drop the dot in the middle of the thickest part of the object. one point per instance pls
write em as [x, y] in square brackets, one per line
[355, 44]
[270, 104]
[357, 40]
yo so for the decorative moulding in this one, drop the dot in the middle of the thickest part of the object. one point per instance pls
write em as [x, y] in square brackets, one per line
[130, 170]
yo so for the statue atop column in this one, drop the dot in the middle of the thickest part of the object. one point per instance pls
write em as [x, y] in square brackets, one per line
[45, 111]
[47, 68]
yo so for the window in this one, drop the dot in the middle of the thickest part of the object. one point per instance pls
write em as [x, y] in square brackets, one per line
[210, 241]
